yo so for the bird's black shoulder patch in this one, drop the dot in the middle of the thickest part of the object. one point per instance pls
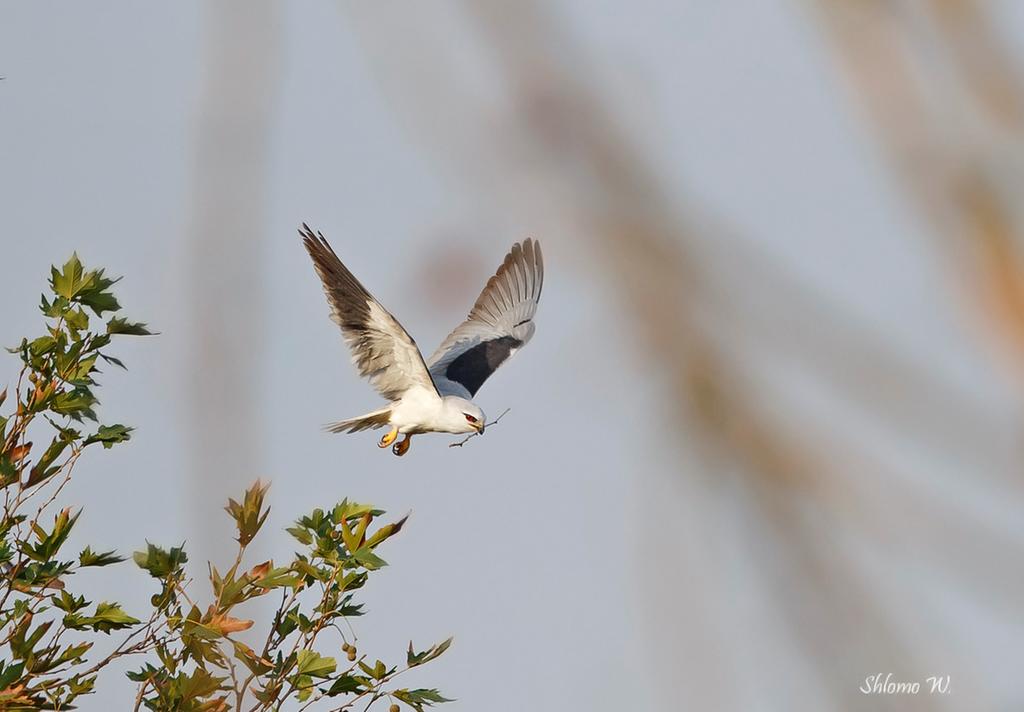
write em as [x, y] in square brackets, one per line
[474, 366]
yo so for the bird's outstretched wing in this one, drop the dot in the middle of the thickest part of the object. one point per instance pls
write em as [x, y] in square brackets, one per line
[498, 325]
[382, 350]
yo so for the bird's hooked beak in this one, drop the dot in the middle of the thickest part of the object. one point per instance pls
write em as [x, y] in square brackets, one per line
[480, 427]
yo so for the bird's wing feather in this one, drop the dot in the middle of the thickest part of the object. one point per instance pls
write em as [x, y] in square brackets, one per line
[498, 325]
[382, 350]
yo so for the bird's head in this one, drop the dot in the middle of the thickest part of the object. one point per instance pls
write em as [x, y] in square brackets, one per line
[464, 416]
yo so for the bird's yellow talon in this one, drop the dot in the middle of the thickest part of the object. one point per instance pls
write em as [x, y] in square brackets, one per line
[388, 438]
[402, 446]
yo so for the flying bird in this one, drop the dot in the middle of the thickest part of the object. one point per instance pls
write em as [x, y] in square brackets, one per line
[435, 395]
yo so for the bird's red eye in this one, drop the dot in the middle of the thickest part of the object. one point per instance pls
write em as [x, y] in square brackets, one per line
[470, 418]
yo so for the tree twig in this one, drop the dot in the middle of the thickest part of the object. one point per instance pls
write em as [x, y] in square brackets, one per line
[473, 435]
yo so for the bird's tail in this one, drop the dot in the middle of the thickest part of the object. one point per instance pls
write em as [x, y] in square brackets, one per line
[370, 421]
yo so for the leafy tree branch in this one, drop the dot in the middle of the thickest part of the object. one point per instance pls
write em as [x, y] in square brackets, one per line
[193, 657]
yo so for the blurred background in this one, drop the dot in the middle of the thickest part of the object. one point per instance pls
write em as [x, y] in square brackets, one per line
[767, 440]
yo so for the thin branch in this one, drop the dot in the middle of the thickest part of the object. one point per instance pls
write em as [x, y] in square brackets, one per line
[473, 435]
[307, 639]
[142, 693]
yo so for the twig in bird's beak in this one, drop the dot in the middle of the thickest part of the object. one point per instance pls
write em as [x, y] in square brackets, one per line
[473, 435]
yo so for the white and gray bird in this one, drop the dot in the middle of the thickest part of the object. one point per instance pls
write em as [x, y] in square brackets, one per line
[432, 396]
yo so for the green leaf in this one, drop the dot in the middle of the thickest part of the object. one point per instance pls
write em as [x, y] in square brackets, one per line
[49, 544]
[117, 325]
[199, 684]
[268, 694]
[250, 514]
[41, 575]
[77, 319]
[42, 470]
[73, 653]
[143, 674]
[81, 685]
[10, 673]
[98, 341]
[256, 664]
[108, 617]
[413, 659]
[114, 615]
[368, 559]
[313, 664]
[348, 536]
[348, 609]
[344, 685]
[99, 301]
[287, 623]
[80, 374]
[54, 309]
[380, 670]
[68, 281]
[106, 558]
[303, 536]
[76, 404]
[360, 531]
[23, 643]
[41, 346]
[110, 435]
[276, 578]
[420, 698]
[159, 562]
[68, 602]
[385, 532]
[115, 361]
[9, 473]
[351, 510]
[95, 292]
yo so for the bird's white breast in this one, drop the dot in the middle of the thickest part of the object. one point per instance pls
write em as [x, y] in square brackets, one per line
[419, 410]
